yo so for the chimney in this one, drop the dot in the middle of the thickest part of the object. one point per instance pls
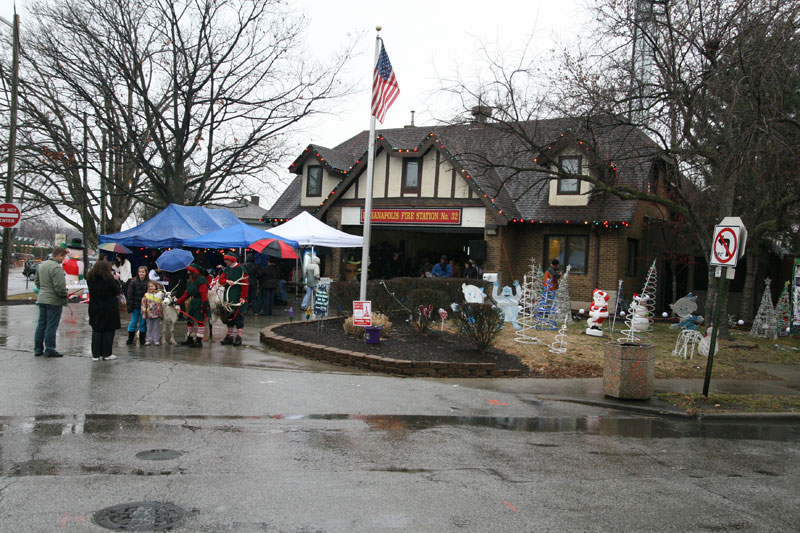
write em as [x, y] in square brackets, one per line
[481, 114]
[255, 200]
[412, 120]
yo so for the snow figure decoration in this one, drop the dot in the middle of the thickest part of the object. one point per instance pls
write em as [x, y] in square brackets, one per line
[783, 312]
[684, 307]
[764, 322]
[598, 312]
[526, 317]
[705, 345]
[559, 344]
[73, 265]
[546, 309]
[473, 294]
[563, 304]
[508, 302]
[639, 319]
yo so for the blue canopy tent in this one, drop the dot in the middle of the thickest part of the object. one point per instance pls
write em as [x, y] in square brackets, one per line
[173, 226]
[239, 236]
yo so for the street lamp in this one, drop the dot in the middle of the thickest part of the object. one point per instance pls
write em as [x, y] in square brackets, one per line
[12, 154]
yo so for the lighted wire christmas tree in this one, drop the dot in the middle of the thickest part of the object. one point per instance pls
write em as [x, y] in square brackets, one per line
[764, 322]
[639, 320]
[563, 303]
[559, 344]
[546, 309]
[783, 312]
[526, 317]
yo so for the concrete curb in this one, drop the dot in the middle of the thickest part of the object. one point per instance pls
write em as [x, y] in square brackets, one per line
[674, 411]
[375, 363]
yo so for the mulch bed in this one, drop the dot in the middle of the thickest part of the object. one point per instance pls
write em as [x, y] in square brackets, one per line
[403, 342]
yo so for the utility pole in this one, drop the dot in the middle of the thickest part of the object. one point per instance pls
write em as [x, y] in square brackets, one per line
[12, 154]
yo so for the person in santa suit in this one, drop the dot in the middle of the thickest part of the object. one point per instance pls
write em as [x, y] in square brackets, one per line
[234, 277]
[73, 265]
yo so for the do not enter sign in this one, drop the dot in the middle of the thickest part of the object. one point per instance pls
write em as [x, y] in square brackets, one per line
[10, 215]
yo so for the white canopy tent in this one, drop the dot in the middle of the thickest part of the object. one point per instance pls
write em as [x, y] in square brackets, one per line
[307, 230]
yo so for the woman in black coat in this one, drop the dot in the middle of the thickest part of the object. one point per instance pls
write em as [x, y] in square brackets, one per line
[104, 290]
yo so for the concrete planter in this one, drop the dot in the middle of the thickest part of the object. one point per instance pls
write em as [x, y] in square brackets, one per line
[629, 371]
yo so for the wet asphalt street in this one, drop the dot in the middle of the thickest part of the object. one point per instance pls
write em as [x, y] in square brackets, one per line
[253, 440]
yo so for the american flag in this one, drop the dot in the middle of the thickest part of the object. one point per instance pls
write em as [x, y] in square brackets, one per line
[384, 86]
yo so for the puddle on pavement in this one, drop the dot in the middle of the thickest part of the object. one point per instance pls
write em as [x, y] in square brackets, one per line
[630, 427]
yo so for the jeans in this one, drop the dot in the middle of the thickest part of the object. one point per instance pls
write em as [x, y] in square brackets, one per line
[44, 340]
[267, 301]
[102, 343]
[137, 321]
[253, 301]
[283, 290]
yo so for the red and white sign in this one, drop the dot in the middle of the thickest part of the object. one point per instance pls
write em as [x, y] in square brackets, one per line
[10, 215]
[725, 249]
[362, 313]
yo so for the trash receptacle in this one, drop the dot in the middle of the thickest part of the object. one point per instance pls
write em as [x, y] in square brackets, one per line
[373, 334]
[629, 371]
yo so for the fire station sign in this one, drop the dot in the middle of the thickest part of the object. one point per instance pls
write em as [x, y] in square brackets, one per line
[441, 217]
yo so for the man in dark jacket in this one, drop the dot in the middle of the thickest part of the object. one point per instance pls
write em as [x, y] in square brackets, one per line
[268, 277]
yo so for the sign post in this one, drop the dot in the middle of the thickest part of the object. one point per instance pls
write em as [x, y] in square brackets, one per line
[728, 242]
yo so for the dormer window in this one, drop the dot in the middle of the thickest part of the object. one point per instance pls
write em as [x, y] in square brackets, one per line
[572, 165]
[411, 170]
[314, 181]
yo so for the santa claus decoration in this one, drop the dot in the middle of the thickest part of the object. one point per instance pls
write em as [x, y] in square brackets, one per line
[73, 264]
[598, 312]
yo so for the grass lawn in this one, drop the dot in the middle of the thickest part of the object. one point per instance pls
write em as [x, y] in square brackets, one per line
[584, 355]
[732, 403]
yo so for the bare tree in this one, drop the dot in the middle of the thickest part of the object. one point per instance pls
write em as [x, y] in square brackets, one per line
[185, 100]
[716, 94]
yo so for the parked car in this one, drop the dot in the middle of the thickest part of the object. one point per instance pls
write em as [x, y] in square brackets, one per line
[29, 268]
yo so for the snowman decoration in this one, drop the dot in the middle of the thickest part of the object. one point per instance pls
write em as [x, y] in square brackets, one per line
[640, 320]
[704, 347]
[598, 312]
[73, 265]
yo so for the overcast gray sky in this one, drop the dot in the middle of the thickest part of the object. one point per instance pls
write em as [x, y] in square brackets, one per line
[425, 41]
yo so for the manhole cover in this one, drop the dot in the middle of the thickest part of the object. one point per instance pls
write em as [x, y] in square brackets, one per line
[158, 455]
[139, 516]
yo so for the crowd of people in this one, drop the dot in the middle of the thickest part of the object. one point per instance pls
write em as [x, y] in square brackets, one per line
[244, 288]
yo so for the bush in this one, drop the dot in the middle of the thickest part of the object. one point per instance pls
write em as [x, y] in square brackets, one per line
[378, 319]
[426, 297]
[479, 323]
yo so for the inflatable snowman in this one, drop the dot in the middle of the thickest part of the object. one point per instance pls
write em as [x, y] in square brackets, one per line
[508, 302]
[73, 264]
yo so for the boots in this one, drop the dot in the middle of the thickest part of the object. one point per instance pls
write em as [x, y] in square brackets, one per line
[142, 338]
[131, 335]
[198, 343]
[237, 341]
[188, 342]
[227, 340]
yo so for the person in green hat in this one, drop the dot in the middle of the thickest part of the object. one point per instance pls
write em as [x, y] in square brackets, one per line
[234, 276]
[198, 309]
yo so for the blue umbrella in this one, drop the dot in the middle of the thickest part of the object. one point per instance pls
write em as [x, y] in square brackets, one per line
[174, 260]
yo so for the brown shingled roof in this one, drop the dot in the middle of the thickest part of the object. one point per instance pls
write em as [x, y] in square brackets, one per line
[509, 187]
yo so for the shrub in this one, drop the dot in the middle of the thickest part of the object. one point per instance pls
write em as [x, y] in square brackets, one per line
[378, 319]
[426, 297]
[479, 323]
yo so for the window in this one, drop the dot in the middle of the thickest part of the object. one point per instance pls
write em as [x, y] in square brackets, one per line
[569, 250]
[633, 257]
[571, 164]
[314, 183]
[411, 167]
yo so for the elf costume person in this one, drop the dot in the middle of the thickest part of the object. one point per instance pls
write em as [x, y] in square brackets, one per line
[198, 309]
[234, 276]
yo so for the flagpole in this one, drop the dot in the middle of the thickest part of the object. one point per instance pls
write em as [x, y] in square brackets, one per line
[368, 194]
